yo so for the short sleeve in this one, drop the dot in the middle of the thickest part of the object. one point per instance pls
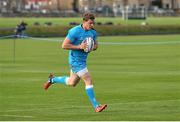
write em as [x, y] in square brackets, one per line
[71, 35]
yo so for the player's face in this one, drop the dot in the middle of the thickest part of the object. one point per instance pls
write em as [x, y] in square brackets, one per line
[88, 24]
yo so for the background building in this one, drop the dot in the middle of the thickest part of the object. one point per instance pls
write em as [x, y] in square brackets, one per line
[101, 7]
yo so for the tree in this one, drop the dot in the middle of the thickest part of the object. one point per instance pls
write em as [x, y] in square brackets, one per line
[172, 2]
[58, 5]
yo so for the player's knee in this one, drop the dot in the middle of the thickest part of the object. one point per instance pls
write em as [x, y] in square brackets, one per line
[88, 82]
[87, 79]
[72, 84]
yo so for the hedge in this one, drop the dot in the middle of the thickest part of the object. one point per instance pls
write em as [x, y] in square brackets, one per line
[103, 30]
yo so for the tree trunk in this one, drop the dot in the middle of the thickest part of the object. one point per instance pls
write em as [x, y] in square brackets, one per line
[58, 5]
[172, 2]
[75, 5]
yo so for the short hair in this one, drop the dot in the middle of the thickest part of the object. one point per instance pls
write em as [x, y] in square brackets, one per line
[88, 16]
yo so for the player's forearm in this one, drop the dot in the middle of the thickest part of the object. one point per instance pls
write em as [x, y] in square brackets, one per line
[71, 47]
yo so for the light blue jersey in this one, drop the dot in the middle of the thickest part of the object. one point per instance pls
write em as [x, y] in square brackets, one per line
[77, 58]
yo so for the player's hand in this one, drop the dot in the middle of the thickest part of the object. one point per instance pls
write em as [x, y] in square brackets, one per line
[95, 46]
[83, 45]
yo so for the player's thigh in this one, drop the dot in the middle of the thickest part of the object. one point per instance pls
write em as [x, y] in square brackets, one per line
[73, 79]
[87, 79]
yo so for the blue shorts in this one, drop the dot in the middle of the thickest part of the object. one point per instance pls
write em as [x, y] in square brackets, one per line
[76, 68]
[79, 69]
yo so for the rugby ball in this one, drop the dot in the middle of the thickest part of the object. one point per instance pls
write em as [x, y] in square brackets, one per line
[90, 44]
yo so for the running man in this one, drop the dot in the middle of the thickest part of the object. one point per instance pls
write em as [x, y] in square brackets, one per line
[74, 42]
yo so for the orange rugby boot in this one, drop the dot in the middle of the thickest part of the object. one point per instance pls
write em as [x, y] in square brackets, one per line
[49, 82]
[100, 108]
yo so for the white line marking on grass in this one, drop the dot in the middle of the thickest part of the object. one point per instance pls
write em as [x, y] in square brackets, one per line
[143, 102]
[8, 115]
[44, 39]
[115, 43]
[139, 43]
[138, 72]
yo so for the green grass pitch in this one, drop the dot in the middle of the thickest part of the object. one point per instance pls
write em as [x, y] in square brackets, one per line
[138, 78]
